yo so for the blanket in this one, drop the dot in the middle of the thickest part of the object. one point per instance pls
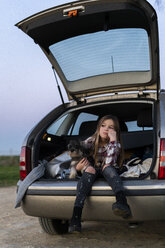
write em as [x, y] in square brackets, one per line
[35, 174]
[141, 167]
[55, 167]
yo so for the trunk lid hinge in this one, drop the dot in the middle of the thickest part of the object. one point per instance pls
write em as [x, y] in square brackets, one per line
[142, 94]
[79, 100]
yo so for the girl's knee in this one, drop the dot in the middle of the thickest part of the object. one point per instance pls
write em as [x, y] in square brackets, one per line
[109, 171]
[105, 166]
[90, 169]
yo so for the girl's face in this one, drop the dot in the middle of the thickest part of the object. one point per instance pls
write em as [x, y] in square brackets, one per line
[105, 127]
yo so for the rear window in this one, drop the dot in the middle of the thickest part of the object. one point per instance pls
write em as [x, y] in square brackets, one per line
[70, 123]
[133, 126]
[117, 50]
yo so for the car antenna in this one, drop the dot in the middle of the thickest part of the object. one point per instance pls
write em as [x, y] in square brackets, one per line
[58, 86]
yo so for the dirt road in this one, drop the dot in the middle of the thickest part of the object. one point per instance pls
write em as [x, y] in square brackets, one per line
[20, 231]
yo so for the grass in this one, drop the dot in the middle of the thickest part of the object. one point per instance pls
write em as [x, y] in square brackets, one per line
[9, 170]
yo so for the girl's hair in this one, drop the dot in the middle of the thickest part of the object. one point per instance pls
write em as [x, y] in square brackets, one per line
[96, 137]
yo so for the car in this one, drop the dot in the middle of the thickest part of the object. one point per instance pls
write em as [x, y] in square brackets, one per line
[106, 54]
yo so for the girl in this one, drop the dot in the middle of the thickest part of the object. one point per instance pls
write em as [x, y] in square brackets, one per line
[107, 153]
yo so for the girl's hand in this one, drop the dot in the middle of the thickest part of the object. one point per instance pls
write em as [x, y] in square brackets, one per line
[82, 164]
[112, 135]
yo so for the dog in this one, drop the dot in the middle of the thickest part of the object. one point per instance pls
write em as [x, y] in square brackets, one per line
[77, 152]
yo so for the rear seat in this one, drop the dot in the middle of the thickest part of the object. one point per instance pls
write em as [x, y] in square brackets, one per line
[139, 138]
[88, 128]
[130, 140]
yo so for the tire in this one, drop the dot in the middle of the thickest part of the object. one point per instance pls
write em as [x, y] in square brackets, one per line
[54, 226]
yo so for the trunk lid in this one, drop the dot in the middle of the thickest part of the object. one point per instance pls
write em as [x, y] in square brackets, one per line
[99, 46]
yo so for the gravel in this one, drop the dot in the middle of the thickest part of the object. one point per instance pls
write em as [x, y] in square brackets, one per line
[20, 231]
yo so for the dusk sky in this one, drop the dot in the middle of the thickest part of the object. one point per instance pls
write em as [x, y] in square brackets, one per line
[28, 88]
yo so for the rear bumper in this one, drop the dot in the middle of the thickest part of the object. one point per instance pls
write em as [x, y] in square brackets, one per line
[55, 199]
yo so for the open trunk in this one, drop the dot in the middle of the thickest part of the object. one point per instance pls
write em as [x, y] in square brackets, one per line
[96, 48]
[136, 119]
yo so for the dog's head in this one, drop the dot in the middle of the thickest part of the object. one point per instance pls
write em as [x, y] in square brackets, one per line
[75, 149]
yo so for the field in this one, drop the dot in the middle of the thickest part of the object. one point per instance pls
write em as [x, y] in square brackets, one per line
[9, 170]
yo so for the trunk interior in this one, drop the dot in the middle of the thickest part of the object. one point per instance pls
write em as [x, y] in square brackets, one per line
[137, 124]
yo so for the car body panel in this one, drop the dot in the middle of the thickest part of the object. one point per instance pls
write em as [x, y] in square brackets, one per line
[47, 199]
[162, 113]
[97, 16]
[55, 198]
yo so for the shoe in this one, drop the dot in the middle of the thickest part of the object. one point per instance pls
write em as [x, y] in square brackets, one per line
[120, 207]
[75, 223]
[74, 228]
[122, 210]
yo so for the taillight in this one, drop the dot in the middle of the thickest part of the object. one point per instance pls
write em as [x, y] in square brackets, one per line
[161, 174]
[25, 162]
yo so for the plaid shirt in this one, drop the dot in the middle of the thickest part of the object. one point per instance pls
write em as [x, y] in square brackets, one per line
[106, 154]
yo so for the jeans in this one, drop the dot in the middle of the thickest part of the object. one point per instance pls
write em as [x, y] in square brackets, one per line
[86, 181]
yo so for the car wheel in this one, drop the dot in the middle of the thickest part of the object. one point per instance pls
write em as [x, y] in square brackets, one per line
[54, 226]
